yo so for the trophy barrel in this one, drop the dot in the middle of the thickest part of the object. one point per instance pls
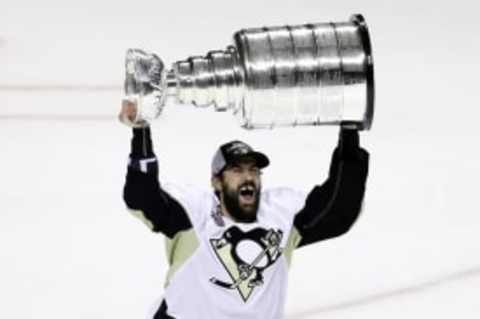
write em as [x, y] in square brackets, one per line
[310, 74]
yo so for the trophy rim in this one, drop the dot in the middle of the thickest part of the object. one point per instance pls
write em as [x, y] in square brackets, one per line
[359, 20]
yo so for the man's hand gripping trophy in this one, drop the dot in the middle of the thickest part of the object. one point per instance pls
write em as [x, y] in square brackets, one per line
[128, 114]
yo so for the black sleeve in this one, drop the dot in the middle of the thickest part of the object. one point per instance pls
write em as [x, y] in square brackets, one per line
[333, 207]
[142, 189]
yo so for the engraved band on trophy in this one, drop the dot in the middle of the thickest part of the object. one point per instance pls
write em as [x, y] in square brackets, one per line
[311, 74]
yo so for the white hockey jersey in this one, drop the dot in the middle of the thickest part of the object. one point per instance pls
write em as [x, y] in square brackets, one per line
[223, 269]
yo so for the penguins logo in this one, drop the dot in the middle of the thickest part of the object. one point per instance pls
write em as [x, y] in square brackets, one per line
[245, 256]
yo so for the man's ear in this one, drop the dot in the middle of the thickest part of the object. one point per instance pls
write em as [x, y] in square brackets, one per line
[216, 183]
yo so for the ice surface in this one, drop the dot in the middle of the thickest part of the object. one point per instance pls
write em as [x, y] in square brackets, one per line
[68, 248]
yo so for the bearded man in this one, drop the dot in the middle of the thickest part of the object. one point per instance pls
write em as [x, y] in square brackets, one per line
[229, 248]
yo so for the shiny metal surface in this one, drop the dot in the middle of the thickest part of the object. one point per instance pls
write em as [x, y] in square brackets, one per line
[213, 79]
[312, 74]
[145, 84]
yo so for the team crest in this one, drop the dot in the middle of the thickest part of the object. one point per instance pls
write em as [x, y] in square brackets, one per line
[245, 256]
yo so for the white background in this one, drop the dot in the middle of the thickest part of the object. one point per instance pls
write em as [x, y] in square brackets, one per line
[68, 249]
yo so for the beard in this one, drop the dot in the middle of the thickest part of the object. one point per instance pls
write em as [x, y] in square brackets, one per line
[241, 213]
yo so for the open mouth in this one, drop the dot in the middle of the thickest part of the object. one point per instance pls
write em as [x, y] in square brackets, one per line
[247, 193]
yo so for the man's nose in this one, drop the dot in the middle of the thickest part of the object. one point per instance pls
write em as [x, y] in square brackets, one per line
[249, 175]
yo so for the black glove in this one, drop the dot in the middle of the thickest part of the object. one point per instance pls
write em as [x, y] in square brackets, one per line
[347, 148]
[348, 143]
[142, 157]
[141, 145]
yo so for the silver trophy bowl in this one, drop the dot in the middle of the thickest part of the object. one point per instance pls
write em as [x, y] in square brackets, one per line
[311, 74]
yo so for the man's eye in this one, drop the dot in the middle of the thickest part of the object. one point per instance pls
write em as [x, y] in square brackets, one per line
[236, 169]
[255, 171]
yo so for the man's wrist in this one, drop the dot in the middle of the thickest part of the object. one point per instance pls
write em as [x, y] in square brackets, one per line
[141, 144]
[349, 142]
[144, 165]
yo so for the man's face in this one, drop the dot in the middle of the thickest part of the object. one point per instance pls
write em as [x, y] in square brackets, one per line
[240, 186]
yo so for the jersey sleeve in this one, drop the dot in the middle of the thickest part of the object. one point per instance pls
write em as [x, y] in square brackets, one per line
[143, 194]
[332, 208]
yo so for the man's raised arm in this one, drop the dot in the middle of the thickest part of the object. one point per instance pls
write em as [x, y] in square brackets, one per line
[333, 207]
[142, 192]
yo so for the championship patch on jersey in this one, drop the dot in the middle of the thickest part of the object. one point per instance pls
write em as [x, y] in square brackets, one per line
[245, 256]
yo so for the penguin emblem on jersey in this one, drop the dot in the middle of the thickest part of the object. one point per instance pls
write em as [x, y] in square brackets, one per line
[245, 256]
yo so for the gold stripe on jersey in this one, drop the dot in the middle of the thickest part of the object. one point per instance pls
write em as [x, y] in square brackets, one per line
[293, 241]
[179, 249]
[140, 215]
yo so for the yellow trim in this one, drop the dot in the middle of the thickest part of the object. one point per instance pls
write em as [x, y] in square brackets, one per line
[293, 241]
[139, 214]
[179, 249]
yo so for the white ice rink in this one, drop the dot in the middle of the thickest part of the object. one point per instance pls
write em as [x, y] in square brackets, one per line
[69, 249]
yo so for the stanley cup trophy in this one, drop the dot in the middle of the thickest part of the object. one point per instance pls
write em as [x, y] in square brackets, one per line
[311, 74]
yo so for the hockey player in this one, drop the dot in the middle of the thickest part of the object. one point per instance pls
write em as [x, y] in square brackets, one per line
[229, 249]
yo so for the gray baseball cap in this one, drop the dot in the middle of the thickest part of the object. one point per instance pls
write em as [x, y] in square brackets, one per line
[234, 151]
